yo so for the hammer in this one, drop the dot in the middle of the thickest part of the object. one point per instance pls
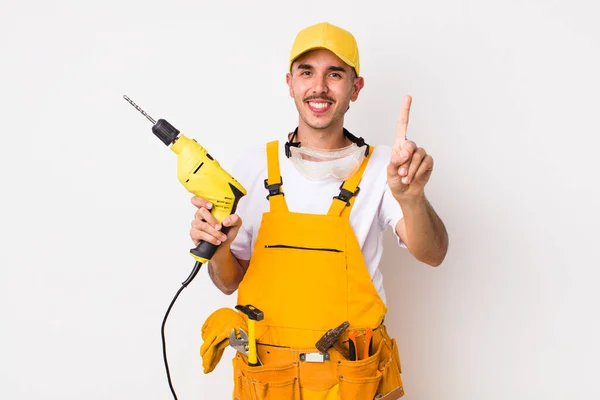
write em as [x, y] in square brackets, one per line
[330, 338]
[254, 315]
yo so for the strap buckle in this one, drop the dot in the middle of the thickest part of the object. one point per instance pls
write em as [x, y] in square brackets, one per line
[346, 195]
[275, 188]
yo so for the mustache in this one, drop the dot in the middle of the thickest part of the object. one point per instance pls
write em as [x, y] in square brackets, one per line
[319, 97]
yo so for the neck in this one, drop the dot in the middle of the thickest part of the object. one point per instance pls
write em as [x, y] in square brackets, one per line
[328, 138]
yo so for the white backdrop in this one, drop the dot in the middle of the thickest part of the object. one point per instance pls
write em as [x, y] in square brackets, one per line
[95, 224]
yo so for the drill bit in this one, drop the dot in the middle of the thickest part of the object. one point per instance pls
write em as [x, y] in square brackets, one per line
[139, 109]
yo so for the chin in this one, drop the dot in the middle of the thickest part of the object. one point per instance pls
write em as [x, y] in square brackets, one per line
[320, 125]
[320, 121]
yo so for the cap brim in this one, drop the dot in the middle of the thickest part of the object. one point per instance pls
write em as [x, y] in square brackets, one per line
[341, 57]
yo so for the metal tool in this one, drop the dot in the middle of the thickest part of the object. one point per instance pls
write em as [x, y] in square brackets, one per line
[368, 351]
[352, 346]
[139, 109]
[241, 344]
[204, 177]
[254, 315]
[330, 339]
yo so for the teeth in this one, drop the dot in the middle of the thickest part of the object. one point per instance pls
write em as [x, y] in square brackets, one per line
[318, 105]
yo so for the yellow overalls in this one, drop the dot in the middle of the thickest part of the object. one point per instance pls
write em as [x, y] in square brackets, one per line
[307, 274]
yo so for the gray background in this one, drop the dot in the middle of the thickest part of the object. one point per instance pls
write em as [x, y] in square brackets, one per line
[95, 224]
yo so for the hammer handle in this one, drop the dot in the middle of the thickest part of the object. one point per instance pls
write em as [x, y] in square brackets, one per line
[252, 354]
[343, 351]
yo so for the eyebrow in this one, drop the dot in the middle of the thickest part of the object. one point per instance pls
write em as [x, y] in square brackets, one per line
[330, 68]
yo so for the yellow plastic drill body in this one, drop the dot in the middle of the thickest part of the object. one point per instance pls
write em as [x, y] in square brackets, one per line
[204, 177]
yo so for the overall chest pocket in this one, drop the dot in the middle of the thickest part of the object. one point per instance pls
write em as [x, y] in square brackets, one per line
[285, 246]
[310, 284]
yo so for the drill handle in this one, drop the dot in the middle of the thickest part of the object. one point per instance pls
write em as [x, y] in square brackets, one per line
[205, 250]
[202, 254]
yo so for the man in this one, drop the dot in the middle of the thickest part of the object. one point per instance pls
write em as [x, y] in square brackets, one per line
[308, 254]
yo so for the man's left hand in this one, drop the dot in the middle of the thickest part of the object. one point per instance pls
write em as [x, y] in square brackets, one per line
[410, 166]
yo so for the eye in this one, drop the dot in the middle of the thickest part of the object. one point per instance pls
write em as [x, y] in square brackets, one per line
[305, 73]
[335, 75]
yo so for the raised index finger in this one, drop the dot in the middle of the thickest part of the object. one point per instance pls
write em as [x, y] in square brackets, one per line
[402, 123]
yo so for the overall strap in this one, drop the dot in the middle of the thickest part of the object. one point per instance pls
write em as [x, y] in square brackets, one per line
[274, 181]
[343, 202]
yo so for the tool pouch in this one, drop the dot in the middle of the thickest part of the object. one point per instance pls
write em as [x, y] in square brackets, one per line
[264, 382]
[284, 375]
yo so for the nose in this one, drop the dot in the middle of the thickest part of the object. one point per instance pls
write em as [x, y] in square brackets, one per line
[320, 84]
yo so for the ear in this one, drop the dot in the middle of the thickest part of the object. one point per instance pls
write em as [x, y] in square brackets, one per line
[358, 84]
[288, 80]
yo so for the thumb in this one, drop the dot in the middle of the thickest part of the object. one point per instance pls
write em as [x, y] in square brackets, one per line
[397, 160]
[206, 345]
[233, 222]
[394, 178]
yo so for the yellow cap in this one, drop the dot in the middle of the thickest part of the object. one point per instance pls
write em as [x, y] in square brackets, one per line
[326, 36]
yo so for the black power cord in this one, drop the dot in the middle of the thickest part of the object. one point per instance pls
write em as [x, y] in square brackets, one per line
[162, 330]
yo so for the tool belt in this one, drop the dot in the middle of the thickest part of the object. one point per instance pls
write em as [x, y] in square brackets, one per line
[304, 373]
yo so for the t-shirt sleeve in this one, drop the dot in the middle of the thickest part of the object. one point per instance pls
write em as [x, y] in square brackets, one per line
[390, 213]
[246, 172]
[241, 247]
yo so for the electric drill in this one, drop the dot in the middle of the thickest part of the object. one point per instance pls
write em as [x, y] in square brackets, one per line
[202, 176]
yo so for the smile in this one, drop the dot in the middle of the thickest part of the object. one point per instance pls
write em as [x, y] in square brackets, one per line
[319, 107]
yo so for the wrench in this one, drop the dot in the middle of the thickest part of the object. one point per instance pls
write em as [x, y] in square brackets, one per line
[240, 344]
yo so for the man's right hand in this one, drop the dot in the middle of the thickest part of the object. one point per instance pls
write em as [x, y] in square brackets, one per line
[206, 227]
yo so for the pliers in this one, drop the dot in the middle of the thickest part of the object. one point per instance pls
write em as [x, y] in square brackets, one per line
[368, 348]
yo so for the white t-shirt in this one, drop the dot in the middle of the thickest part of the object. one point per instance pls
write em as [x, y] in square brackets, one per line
[373, 211]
